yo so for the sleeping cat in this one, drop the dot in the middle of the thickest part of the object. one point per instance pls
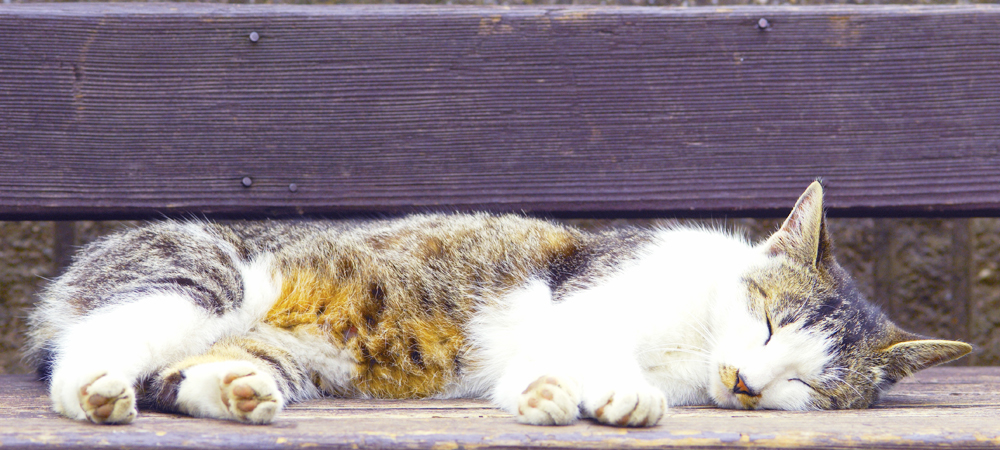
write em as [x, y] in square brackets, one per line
[549, 322]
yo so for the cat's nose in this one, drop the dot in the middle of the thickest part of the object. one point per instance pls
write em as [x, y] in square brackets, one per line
[741, 387]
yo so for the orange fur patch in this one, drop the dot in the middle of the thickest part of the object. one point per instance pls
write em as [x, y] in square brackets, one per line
[399, 354]
[398, 299]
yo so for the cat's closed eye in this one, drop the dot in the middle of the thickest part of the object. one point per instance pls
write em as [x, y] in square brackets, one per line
[770, 329]
[803, 382]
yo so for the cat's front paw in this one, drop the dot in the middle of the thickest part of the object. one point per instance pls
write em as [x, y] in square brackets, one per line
[628, 407]
[549, 400]
[108, 400]
[250, 397]
[233, 390]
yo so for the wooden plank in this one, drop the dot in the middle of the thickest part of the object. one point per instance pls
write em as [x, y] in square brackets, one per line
[940, 408]
[129, 111]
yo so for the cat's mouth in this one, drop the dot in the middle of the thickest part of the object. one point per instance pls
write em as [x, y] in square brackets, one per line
[748, 402]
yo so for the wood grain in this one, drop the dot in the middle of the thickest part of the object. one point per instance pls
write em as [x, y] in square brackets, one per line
[131, 111]
[940, 408]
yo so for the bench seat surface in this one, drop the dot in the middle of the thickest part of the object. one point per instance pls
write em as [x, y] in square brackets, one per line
[941, 407]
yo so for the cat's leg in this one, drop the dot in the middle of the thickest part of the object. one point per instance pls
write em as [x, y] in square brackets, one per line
[98, 359]
[536, 395]
[135, 302]
[619, 397]
[549, 373]
[560, 397]
[549, 400]
[625, 399]
[239, 379]
[521, 356]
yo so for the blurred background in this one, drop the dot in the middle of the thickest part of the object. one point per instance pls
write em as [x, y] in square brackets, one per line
[937, 277]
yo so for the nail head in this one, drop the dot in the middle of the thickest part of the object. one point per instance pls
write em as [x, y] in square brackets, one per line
[293, 187]
[763, 23]
[247, 181]
[254, 37]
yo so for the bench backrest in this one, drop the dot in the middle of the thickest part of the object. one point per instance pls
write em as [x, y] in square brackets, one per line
[133, 111]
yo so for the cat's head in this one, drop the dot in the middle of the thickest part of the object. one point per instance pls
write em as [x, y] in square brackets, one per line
[807, 339]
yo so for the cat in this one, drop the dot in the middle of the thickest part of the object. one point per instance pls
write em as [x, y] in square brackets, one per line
[553, 324]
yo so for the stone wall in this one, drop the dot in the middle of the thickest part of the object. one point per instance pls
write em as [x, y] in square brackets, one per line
[25, 261]
[935, 277]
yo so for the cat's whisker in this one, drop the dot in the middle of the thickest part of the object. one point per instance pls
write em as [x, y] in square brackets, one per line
[705, 334]
[841, 380]
[673, 361]
[856, 391]
[859, 373]
[701, 327]
[674, 349]
[676, 345]
[672, 365]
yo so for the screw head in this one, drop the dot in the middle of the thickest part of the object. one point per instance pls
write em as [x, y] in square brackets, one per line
[763, 23]
[254, 37]
[247, 181]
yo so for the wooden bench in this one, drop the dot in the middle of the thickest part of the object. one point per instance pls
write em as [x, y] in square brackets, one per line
[941, 407]
[121, 111]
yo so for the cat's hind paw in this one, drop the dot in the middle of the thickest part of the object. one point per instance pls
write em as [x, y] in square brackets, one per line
[549, 400]
[232, 390]
[629, 408]
[108, 400]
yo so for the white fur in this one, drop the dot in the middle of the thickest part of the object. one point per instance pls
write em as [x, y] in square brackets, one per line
[261, 288]
[119, 341]
[204, 387]
[658, 328]
[549, 400]
[116, 342]
[790, 353]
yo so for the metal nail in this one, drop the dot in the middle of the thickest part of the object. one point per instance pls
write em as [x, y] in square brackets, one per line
[247, 181]
[293, 187]
[254, 37]
[763, 23]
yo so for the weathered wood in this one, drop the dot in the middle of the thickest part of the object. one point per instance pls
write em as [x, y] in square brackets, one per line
[940, 408]
[126, 111]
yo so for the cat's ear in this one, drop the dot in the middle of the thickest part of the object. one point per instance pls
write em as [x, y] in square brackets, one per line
[803, 236]
[917, 353]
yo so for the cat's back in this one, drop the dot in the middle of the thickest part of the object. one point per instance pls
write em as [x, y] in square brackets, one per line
[479, 243]
[367, 276]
